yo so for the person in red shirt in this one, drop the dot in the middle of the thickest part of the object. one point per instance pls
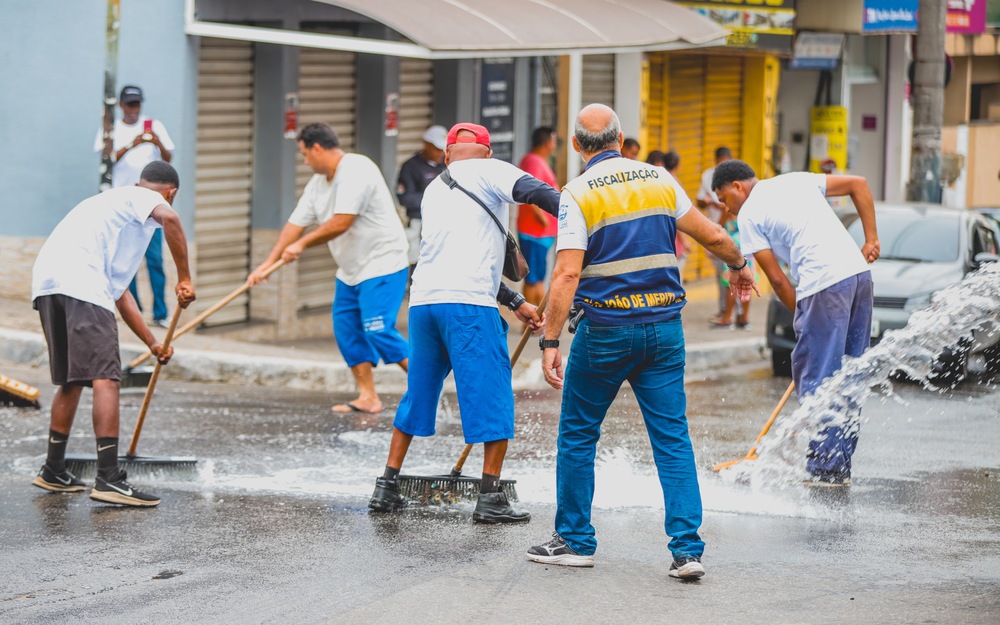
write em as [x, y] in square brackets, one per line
[537, 229]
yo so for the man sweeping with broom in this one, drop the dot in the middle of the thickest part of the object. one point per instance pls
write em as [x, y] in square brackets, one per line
[454, 322]
[81, 275]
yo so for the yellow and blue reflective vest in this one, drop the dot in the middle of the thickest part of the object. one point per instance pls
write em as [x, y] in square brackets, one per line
[630, 272]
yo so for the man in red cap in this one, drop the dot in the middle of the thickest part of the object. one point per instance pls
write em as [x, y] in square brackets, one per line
[454, 322]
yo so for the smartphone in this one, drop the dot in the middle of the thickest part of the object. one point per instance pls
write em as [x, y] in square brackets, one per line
[147, 126]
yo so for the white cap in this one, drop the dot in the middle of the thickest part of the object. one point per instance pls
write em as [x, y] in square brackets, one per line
[436, 136]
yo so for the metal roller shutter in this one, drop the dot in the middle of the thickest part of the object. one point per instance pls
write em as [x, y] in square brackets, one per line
[224, 175]
[656, 114]
[598, 84]
[685, 111]
[704, 109]
[416, 106]
[723, 106]
[327, 94]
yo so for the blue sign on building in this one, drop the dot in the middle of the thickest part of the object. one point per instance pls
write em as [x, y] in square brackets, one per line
[896, 16]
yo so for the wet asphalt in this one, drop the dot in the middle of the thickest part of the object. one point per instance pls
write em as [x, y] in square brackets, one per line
[272, 526]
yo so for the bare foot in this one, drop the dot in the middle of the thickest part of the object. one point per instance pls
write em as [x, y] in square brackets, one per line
[358, 406]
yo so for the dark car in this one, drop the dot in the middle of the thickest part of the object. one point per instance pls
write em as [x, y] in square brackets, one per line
[924, 249]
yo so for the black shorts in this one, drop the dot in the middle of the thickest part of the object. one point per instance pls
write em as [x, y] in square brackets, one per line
[82, 338]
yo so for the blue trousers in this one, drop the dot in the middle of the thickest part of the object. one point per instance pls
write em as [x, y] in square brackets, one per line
[364, 319]
[831, 324]
[472, 341]
[651, 357]
[157, 279]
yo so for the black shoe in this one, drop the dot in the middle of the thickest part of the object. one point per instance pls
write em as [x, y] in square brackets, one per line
[556, 551]
[64, 482]
[496, 508]
[687, 569]
[121, 492]
[387, 497]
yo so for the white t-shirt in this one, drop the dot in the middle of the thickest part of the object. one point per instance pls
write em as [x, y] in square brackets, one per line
[573, 232]
[705, 194]
[789, 215]
[126, 171]
[94, 252]
[461, 248]
[375, 244]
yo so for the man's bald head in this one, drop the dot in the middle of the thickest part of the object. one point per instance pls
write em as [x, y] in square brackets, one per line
[597, 129]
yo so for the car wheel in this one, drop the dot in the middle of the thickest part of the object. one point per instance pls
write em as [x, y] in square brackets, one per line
[781, 362]
[952, 368]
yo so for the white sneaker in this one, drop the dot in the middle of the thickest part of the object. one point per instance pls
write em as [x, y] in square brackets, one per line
[687, 569]
[556, 551]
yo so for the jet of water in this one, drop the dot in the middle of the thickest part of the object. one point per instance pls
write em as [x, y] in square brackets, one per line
[950, 318]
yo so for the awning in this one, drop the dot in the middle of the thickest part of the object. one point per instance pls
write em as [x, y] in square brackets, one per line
[443, 29]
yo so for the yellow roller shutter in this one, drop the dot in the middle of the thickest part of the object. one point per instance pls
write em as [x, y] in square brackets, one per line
[686, 112]
[656, 112]
[723, 106]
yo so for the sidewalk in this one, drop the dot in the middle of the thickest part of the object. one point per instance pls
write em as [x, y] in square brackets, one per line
[317, 364]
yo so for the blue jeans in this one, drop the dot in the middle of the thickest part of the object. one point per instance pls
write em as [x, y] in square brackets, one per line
[157, 279]
[831, 324]
[651, 357]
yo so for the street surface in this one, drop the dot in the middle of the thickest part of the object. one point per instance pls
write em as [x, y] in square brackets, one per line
[273, 526]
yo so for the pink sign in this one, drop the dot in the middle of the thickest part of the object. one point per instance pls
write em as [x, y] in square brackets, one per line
[967, 17]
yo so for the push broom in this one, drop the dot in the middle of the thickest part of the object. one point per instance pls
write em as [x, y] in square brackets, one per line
[455, 487]
[132, 461]
[752, 454]
[17, 393]
[134, 376]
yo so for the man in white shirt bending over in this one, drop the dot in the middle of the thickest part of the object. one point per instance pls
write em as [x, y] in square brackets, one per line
[787, 218]
[80, 276]
[350, 203]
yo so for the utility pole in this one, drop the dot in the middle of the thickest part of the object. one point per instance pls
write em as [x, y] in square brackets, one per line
[110, 98]
[928, 103]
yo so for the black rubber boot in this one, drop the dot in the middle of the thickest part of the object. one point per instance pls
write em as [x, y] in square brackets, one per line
[386, 497]
[496, 508]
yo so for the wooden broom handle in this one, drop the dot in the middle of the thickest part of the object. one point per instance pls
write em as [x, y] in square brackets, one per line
[457, 471]
[214, 308]
[152, 384]
[527, 331]
[774, 415]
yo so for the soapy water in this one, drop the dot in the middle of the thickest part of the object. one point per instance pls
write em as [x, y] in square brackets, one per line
[346, 464]
[622, 477]
[949, 320]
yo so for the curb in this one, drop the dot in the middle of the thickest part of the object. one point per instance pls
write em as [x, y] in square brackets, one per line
[28, 348]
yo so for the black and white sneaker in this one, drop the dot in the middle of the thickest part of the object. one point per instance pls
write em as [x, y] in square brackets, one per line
[687, 569]
[556, 551]
[121, 492]
[64, 482]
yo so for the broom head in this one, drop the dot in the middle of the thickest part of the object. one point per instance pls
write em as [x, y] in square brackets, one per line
[446, 489]
[15, 393]
[84, 465]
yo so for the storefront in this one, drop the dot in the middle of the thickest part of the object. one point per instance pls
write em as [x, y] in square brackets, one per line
[698, 101]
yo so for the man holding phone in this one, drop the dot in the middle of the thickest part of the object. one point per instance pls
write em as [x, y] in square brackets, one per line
[138, 141]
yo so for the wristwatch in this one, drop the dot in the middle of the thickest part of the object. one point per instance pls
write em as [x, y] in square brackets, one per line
[543, 343]
[745, 261]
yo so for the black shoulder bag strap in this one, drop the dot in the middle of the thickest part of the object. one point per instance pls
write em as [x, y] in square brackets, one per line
[452, 184]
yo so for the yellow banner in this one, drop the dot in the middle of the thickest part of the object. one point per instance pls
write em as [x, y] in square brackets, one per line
[828, 139]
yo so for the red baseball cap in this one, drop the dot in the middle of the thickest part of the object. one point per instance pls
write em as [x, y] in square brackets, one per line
[482, 136]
